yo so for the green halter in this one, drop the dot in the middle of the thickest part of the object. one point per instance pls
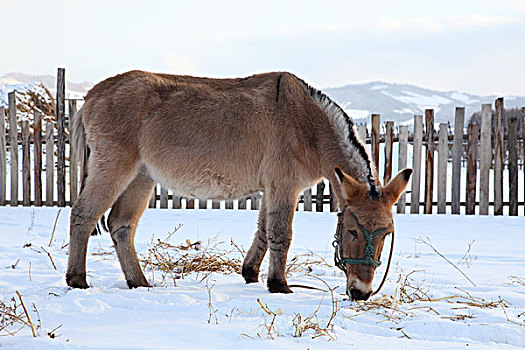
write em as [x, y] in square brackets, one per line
[369, 249]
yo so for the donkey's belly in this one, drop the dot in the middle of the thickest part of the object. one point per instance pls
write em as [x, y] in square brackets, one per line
[203, 183]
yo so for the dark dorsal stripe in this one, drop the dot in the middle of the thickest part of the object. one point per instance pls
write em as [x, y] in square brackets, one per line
[278, 87]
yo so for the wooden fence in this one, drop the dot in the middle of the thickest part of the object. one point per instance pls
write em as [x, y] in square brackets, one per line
[487, 151]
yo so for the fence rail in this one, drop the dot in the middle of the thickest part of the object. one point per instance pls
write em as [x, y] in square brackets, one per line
[457, 181]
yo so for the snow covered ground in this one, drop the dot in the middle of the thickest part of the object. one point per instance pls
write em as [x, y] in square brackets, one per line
[440, 310]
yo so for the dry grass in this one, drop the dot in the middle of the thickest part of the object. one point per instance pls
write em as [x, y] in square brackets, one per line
[412, 295]
[39, 99]
[178, 261]
[14, 317]
[312, 323]
[427, 242]
[31, 101]
[304, 263]
[517, 280]
[270, 329]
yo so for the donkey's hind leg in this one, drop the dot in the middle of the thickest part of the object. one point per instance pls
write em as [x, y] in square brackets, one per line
[255, 255]
[105, 182]
[122, 223]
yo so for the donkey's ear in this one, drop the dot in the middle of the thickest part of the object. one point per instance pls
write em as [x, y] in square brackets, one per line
[351, 188]
[397, 185]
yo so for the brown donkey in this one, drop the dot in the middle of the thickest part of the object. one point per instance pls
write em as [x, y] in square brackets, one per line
[221, 139]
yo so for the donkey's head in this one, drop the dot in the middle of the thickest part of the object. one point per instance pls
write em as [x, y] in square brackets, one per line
[364, 223]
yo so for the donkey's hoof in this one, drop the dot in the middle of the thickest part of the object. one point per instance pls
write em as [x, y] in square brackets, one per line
[132, 284]
[250, 275]
[276, 286]
[76, 281]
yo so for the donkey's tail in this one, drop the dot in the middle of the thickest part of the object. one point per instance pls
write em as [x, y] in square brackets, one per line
[80, 147]
[78, 141]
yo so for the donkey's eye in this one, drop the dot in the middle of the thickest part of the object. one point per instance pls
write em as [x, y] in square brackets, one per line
[353, 233]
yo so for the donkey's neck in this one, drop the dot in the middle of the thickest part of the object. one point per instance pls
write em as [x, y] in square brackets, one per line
[351, 154]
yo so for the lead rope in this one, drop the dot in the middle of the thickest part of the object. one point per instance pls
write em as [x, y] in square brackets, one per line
[387, 266]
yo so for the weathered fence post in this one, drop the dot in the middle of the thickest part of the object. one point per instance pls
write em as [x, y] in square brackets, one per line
[442, 168]
[26, 165]
[473, 135]
[216, 204]
[402, 163]
[50, 163]
[307, 200]
[176, 202]
[241, 203]
[416, 164]
[37, 155]
[203, 203]
[429, 162]
[61, 137]
[13, 147]
[512, 146]
[457, 152]
[163, 198]
[523, 149]
[319, 196]
[485, 158]
[375, 137]
[228, 204]
[389, 139]
[499, 156]
[3, 158]
[190, 203]
[73, 162]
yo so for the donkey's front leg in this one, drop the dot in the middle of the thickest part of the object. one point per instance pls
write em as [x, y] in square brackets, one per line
[281, 209]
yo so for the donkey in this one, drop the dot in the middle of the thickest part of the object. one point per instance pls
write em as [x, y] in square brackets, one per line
[221, 139]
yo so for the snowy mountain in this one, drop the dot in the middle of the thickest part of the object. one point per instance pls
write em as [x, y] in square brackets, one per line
[400, 102]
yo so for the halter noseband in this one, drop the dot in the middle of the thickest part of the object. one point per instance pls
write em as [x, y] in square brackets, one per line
[340, 261]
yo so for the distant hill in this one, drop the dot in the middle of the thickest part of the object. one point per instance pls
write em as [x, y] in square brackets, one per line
[400, 102]
[73, 90]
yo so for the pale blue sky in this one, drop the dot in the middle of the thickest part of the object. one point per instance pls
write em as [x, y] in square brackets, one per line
[466, 45]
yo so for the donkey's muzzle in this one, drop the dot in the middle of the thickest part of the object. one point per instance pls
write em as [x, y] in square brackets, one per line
[356, 294]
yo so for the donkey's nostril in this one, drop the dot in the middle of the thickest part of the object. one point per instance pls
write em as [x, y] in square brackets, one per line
[356, 294]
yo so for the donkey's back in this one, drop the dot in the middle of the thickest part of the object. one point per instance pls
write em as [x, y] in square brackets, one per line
[206, 138]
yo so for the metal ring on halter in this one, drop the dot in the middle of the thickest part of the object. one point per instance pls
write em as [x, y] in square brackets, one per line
[369, 249]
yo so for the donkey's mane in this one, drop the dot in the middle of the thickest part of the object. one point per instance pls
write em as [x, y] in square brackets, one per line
[344, 126]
